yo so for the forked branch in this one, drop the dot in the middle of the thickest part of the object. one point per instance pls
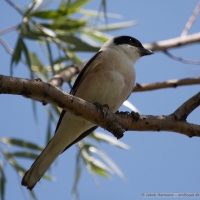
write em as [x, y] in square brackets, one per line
[115, 123]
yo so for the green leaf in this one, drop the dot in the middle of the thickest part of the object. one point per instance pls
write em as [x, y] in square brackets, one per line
[108, 160]
[94, 13]
[30, 8]
[16, 55]
[48, 134]
[38, 68]
[34, 109]
[26, 53]
[72, 7]
[94, 165]
[77, 175]
[65, 24]
[49, 14]
[50, 57]
[33, 195]
[77, 44]
[2, 188]
[116, 26]
[14, 164]
[97, 35]
[103, 3]
[73, 56]
[47, 177]
[35, 61]
[34, 35]
[56, 109]
[101, 137]
[21, 143]
[2, 182]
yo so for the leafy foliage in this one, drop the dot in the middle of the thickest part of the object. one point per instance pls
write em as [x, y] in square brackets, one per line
[66, 30]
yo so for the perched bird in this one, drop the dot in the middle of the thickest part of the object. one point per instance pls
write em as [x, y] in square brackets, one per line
[108, 78]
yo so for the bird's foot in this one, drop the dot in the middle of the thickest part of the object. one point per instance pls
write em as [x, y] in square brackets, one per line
[134, 115]
[101, 108]
[38, 79]
[126, 113]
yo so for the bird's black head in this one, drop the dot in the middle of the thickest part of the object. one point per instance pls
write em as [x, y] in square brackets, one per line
[133, 42]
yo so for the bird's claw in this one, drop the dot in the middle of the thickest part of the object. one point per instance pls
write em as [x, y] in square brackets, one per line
[38, 79]
[101, 108]
[126, 113]
[134, 115]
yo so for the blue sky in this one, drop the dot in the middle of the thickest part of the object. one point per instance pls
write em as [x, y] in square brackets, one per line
[158, 162]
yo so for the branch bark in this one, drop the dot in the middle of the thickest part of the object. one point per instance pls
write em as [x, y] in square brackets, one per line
[173, 43]
[166, 84]
[114, 123]
[191, 20]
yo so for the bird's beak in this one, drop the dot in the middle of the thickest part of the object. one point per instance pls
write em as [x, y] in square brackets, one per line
[145, 52]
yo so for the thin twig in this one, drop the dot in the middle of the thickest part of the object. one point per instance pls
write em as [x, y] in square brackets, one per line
[166, 84]
[6, 30]
[191, 20]
[193, 62]
[5, 45]
[17, 8]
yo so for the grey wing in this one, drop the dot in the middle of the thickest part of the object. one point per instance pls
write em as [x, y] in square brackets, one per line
[73, 92]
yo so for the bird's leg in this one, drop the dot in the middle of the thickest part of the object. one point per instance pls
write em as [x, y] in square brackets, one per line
[101, 108]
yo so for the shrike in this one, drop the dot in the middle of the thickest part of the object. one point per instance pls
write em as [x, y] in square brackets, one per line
[108, 78]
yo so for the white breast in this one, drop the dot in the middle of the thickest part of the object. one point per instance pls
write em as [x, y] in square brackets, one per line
[110, 80]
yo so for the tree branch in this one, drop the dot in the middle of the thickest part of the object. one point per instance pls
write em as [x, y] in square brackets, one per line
[186, 108]
[166, 84]
[66, 75]
[173, 43]
[5, 45]
[114, 123]
[17, 8]
[6, 30]
[191, 20]
[193, 62]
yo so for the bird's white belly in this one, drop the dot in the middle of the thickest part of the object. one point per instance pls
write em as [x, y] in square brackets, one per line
[111, 86]
[106, 84]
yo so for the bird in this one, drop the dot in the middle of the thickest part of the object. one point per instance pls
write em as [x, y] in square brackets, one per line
[108, 78]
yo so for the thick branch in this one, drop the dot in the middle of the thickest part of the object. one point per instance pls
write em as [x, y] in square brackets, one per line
[166, 84]
[115, 123]
[66, 75]
[186, 108]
